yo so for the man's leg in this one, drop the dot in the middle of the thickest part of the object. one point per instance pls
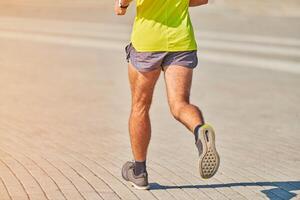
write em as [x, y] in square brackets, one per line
[142, 87]
[178, 82]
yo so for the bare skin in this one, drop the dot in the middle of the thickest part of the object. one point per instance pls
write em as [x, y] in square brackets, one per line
[178, 81]
[142, 87]
[194, 3]
[121, 11]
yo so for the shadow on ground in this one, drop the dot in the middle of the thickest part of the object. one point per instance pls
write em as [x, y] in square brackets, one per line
[282, 190]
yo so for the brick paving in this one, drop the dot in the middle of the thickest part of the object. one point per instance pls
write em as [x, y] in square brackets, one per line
[64, 105]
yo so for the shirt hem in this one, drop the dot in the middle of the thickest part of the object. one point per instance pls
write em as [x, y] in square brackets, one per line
[164, 49]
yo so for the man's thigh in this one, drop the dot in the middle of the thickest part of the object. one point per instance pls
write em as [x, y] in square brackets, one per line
[178, 81]
[142, 84]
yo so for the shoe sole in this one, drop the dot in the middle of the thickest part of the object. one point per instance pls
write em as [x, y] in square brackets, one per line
[209, 160]
[139, 187]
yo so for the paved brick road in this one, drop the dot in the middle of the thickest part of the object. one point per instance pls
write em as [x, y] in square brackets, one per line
[64, 104]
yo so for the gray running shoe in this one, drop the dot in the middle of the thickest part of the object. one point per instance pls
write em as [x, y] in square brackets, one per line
[139, 182]
[209, 159]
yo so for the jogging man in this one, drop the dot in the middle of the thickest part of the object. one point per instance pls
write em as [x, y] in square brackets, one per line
[163, 40]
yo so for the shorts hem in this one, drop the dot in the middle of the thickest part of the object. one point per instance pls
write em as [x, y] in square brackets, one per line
[182, 64]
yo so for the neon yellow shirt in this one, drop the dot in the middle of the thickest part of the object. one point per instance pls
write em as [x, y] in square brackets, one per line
[163, 25]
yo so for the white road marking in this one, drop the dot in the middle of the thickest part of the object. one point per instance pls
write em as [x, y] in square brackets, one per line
[94, 29]
[115, 37]
[247, 61]
[213, 35]
[249, 48]
[64, 40]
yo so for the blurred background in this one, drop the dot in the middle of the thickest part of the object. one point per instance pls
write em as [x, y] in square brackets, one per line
[65, 101]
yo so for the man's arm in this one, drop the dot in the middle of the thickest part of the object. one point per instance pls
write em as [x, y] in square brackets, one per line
[126, 2]
[194, 3]
[121, 10]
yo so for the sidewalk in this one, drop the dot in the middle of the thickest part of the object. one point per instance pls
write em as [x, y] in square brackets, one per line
[64, 106]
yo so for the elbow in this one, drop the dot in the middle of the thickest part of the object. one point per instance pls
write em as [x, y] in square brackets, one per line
[194, 3]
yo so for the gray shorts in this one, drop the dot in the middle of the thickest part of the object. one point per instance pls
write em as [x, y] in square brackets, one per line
[147, 61]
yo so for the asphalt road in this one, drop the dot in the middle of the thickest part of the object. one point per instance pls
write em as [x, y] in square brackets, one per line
[64, 104]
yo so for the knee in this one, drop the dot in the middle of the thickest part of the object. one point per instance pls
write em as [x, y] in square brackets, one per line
[177, 108]
[140, 107]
